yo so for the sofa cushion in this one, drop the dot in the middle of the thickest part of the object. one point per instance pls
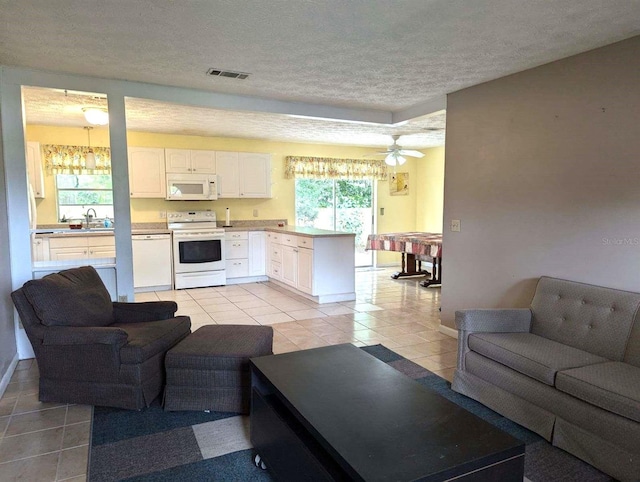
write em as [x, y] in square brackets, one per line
[74, 297]
[613, 386]
[591, 318]
[148, 338]
[530, 354]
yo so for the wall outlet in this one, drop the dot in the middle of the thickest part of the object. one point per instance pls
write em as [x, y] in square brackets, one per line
[162, 214]
[255, 213]
[123, 298]
[381, 211]
[455, 225]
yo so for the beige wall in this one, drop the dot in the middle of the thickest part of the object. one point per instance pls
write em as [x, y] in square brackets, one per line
[400, 211]
[543, 170]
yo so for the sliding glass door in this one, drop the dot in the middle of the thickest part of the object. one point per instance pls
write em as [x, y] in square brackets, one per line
[338, 205]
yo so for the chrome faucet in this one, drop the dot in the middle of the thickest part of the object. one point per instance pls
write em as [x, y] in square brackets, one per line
[88, 217]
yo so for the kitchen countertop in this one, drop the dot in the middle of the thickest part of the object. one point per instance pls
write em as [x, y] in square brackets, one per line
[157, 228]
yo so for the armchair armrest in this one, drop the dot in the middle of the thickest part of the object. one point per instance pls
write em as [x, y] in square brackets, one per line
[71, 335]
[488, 321]
[148, 311]
[502, 321]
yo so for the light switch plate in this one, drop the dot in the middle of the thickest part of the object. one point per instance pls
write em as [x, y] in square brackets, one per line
[455, 225]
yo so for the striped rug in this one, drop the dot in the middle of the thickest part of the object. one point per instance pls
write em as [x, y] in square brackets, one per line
[153, 445]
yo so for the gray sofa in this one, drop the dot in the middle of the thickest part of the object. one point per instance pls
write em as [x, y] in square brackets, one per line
[568, 368]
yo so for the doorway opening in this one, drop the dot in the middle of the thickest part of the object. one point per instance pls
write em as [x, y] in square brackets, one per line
[338, 205]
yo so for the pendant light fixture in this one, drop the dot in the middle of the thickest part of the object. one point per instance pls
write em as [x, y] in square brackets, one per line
[90, 157]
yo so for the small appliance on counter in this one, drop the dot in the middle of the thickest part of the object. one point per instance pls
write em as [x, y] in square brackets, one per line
[198, 249]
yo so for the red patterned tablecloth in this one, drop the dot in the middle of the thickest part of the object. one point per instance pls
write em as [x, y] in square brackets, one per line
[420, 244]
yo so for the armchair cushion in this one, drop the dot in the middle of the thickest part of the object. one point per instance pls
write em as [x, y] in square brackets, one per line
[530, 354]
[149, 338]
[74, 297]
[147, 311]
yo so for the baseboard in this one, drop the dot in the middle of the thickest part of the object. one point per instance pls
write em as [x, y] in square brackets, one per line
[320, 299]
[247, 279]
[445, 330]
[6, 378]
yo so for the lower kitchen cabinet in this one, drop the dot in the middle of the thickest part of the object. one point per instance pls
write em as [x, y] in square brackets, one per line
[245, 256]
[321, 267]
[82, 247]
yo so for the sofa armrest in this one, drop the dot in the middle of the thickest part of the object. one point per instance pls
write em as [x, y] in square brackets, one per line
[148, 311]
[98, 335]
[495, 321]
[517, 320]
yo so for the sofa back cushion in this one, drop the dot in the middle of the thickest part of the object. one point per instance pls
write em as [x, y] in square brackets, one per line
[74, 297]
[591, 318]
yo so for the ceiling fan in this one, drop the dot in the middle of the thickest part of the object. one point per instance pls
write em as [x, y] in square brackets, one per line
[395, 154]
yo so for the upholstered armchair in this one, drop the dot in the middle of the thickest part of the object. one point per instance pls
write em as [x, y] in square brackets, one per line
[91, 350]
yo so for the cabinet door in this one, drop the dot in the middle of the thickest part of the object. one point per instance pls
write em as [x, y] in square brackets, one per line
[290, 265]
[255, 178]
[257, 253]
[102, 252]
[34, 169]
[147, 172]
[177, 160]
[203, 162]
[305, 270]
[237, 268]
[236, 249]
[61, 254]
[228, 174]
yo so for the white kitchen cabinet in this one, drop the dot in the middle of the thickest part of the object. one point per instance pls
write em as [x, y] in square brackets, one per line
[319, 267]
[152, 262]
[147, 172]
[245, 256]
[39, 249]
[305, 270]
[274, 255]
[257, 253]
[290, 265]
[34, 169]
[243, 174]
[190, 161]
[82, 247]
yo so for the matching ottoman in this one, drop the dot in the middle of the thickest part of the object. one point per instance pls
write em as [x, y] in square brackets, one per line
[209, 369]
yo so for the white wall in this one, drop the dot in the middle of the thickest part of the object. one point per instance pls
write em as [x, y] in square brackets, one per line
[543, 170]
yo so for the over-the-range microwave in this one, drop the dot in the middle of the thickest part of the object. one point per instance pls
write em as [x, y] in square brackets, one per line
[192, 187]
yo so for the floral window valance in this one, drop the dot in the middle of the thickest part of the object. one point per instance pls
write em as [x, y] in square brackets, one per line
[329, 168]
[71, 159]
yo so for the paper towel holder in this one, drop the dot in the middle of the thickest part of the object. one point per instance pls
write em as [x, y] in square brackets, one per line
[227, 219]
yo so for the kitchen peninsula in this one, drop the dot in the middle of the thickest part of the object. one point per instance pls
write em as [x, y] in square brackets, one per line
[316, 264]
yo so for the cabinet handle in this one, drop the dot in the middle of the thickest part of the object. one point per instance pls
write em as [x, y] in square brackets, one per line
[84, 252]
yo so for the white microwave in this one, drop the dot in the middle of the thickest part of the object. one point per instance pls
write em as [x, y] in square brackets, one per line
[192, 187]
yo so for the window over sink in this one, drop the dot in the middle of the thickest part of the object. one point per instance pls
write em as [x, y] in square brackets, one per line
[75, 193]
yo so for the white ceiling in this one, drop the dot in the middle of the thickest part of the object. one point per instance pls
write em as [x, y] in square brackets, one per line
[392, 56]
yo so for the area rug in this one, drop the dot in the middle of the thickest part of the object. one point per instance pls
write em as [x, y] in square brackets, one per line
[153, 445]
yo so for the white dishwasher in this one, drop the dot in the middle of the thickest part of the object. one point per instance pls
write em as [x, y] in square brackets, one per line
[152, 262]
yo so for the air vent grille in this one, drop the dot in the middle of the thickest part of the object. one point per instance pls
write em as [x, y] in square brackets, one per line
[230, 74]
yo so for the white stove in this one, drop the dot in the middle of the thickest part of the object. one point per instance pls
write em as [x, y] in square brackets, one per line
[198, 249]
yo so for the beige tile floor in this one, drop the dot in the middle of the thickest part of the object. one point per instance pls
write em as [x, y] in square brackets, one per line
[49, 442]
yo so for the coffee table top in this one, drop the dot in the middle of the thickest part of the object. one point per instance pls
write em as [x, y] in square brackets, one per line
[377, 423]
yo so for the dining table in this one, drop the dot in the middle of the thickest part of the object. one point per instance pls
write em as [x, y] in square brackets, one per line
[415, 248]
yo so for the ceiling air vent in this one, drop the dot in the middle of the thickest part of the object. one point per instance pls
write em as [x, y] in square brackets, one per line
[227, 73]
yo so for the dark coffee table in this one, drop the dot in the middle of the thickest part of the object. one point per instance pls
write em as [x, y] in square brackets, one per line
[338, 413]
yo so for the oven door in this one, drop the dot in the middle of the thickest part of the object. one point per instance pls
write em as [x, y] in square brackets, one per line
[198, 251]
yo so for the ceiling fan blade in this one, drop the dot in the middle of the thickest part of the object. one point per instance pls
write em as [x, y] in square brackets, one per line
[409, 152]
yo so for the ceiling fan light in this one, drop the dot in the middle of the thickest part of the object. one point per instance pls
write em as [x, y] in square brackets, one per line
[395, 159]
[96, 117]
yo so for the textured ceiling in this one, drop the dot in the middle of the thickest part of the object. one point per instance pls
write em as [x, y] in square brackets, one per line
[374, 54]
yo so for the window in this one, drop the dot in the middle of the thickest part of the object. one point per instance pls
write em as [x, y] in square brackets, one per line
[77, 193]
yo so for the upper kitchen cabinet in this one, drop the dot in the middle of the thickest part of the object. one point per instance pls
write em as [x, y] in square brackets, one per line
[147, 172]
[190, 161]
[243, 174]
[34, 169]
